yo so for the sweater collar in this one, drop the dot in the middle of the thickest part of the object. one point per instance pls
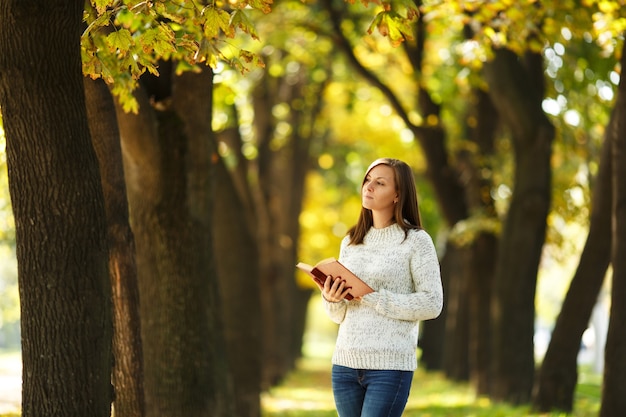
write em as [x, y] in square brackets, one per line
[383, 235]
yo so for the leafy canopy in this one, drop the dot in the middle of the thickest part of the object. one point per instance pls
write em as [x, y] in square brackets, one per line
[394, 20]
[125, 38]
[520, 25]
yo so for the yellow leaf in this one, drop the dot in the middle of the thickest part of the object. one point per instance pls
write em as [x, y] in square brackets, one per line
[101, 5]
[216, 20]
[263, 5]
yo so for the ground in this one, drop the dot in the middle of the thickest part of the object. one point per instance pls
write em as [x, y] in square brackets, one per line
[10, 383]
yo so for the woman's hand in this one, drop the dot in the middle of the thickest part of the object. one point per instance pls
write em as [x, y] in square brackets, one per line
[334, 290]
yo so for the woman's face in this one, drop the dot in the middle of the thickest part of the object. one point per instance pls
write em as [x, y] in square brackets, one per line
[378, 192]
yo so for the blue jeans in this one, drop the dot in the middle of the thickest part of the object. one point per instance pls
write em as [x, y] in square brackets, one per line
[370, 393]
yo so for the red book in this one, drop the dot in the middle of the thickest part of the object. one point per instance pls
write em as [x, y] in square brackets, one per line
[334, 268]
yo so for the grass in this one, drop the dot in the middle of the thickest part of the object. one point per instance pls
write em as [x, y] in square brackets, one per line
[306, 392]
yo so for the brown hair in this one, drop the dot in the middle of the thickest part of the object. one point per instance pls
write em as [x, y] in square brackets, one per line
[406, 213]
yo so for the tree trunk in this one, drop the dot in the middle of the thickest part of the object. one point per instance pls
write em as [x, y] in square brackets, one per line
[481, 252]
[167, 151]
[441, 348]
[517, 94]
[127, 374]
[59, 212]
[455, 359]
[613, 398]
[281, 168]
[558, 375]
[236, 257]
[449, 354]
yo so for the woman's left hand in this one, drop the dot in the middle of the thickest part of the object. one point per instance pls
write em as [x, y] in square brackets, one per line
[334, 289]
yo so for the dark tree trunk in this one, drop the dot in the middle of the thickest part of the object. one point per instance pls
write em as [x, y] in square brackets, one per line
[59, 212]
[482, 254]
[436, 338]
[235, 240]
[281, 174]
[455, 359]
[449, 354]
[558, 375]
[127, 373]
[167, 154]
[441, 348]
[481, 250]
[517, 93]
[237, 264]
[613, 398]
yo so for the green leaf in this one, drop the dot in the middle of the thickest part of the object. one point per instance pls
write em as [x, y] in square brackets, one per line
[160, 39]
[216, 20]
[99, 22]
[120, 40]
[123, 91]
[101, 5]
[251, 58]
[132, 66]
[206, 53]
[152, 70]
[401, 27]
[392, 25]
[164, 49]
[170, 11]
[375, 23]
[239, 20]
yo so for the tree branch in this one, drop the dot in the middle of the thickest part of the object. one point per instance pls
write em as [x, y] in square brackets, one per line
[344, 44]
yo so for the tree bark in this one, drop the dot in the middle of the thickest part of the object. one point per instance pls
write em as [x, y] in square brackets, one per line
[445, 346]
[237, 264]
[167, 155]
[59, 213]
[558, 375]
[517, 94]
[613, 399]
[127, 374]
[455, 352]
[234, 251]
[481, 252]
[283, 303]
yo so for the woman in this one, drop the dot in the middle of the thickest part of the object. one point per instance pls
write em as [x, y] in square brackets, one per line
[375, 352]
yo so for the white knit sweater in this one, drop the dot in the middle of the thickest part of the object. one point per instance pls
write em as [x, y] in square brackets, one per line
[380, 331]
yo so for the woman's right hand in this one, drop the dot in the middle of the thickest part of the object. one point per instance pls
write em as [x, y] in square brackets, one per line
[334, 289]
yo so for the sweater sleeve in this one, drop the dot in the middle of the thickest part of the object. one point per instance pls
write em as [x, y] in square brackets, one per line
[335, 311]
[426, 302]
